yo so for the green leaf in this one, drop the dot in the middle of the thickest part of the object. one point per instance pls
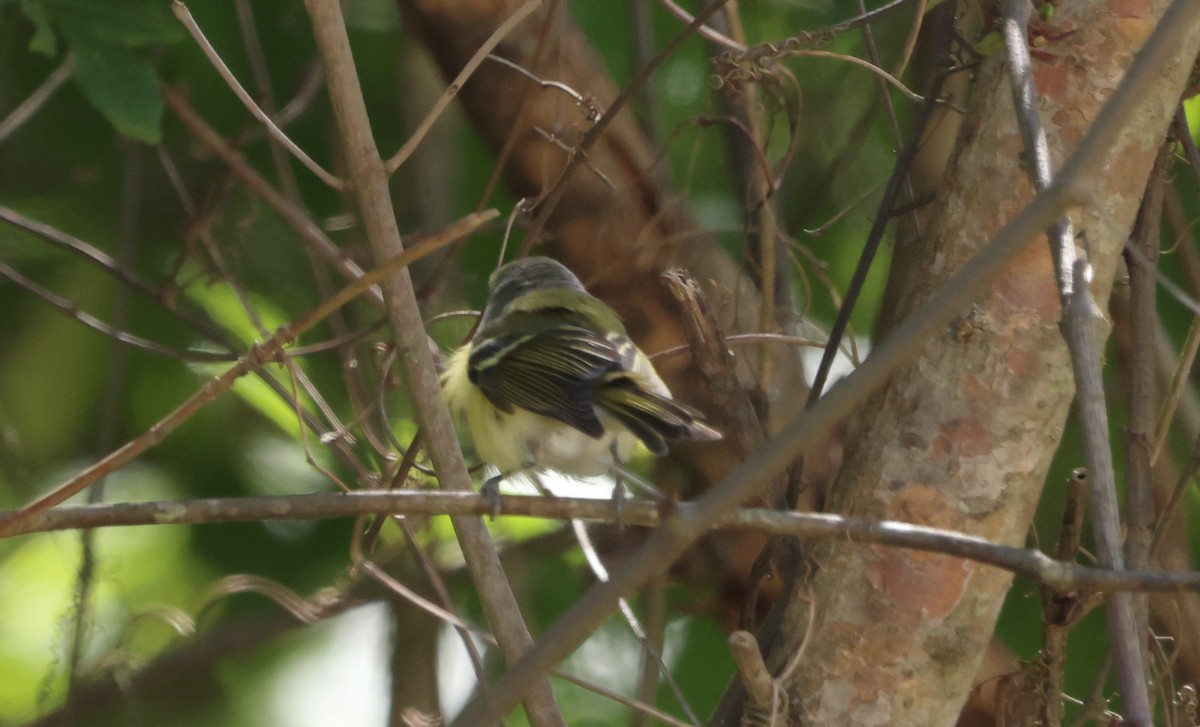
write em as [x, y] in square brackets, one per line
[990, 43]
[128, 23]
[44, 41]
[376, 16]
[120, 84]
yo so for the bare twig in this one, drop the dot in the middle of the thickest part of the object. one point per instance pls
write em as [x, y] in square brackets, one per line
[116, 373]
[196, 323]
[451, 91]
[652, 649]
[256, 357]
[760, 688]
[185, 17]
[1187, 354]
[910, 42]
[907, 194]
[1140, 513]
[1186, 473]
[654, 606]
[262, 79]
[71, 310]
[709, 348]
[1059, 575]
[883, 216]
[38, 98]
[1061, 610]
[1085, 328]
[105, 262]
[641, 31]
[370, 188]
[1029, 123]
[547, 204]
[764, 52]
[757, 188]
[312, 84]
[1176, 389]
[889, 78]
[296, 217]
[704, 30]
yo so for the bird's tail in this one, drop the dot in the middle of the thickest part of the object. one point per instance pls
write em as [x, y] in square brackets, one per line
[652, 418]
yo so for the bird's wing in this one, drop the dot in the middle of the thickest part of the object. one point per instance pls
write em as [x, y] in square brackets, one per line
[550, 371]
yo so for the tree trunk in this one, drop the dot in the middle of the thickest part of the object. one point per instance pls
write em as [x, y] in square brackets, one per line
[963, 437]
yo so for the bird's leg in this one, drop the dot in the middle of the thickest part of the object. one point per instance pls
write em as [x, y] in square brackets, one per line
[491, 486]
[626, 476]
[618, 496]
[491, 491]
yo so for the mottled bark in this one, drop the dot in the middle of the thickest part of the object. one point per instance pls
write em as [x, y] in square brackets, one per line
[963, 437]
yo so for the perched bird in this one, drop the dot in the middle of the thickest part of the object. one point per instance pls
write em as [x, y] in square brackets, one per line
[550, 380]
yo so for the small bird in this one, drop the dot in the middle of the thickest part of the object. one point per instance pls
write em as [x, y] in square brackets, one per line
[551, 380]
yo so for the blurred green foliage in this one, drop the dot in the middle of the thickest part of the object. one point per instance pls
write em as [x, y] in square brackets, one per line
[100, 141]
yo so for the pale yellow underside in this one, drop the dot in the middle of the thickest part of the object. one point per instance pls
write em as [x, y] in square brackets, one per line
[526, 441]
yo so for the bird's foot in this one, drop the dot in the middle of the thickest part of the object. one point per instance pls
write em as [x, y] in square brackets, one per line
[618, 501]
[491, 492]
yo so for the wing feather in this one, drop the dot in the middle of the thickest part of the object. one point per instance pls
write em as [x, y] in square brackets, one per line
[552, 371]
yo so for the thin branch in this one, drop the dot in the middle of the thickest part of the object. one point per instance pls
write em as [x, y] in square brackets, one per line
[266, 94]
[295, 216]
[760, 687]
[116, 374]
[641, 707]
[883, 215]
[579, 99]
[312, 84]
[756, 186]
[259, 355]
[1186, 473]
[907, 193]
[185, 17]
[38, 98]
[547, 204]
[895, 82]
[451, 91]
[1061, 611]
[195, 322]
[910, 43]
[1029, 123]
[1172, 288]
[1191, 344]
[1175, 390]
[108, 264]
[821, 229]
[373, 198]
[751, 144]
[1085, 328]
[1073, 186]
[1058, 575]
[1143, 390]
[703, 30]
[652, 650]
[642, 35]
[762, 53]
[72, 311]
[466, 629]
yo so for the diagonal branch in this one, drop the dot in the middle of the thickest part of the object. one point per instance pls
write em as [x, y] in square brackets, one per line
[257, 356]
[369, 185]
[1073, 186]
[185, 17]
